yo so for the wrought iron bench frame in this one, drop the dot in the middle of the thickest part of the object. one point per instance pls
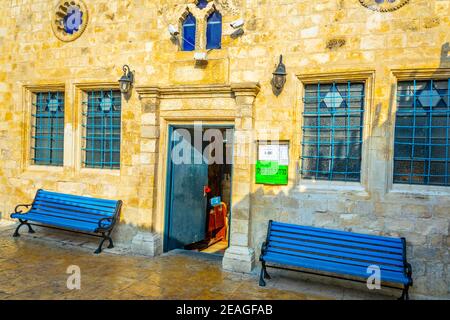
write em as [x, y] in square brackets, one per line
[265, 275]
[101, 232]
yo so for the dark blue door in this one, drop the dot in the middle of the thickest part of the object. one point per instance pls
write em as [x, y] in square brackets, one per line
[187, 206]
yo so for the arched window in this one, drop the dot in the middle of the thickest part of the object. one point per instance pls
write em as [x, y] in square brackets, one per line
[214, 31]
[189, 29]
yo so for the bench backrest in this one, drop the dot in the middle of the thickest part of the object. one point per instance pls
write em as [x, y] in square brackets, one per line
[335, 246]
[70, 205]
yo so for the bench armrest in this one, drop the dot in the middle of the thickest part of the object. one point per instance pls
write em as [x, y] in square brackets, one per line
[100, 223]
[16, 210]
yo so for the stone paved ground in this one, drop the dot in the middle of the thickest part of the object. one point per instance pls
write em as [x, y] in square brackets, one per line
[33, 268]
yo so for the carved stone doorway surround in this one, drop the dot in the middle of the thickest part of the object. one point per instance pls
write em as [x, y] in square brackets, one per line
[211, 104]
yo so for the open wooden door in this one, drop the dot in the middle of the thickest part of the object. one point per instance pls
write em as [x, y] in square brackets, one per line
[187, 201]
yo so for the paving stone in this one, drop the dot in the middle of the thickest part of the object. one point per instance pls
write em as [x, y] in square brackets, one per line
[37, 269]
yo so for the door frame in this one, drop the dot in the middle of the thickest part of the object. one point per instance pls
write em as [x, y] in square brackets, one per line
[169, 177]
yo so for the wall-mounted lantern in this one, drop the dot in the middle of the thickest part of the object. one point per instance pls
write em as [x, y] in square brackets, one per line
[126, 82]
[279, 77]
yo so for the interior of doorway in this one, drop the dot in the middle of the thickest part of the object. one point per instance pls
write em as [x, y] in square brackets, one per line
[215, 239]
[217, 217]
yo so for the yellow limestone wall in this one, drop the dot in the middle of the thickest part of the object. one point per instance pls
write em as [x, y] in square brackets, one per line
[321, 39]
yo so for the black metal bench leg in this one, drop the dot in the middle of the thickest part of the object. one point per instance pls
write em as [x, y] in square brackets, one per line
[262, 283]
[104, 238]
[263, 275]
[22, 223]
[30, 229]
[99, 249]
[16, 233]
[111, 243]
[266, 274]
[405, 294]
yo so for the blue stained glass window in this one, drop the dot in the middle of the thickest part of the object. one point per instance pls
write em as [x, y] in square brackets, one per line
[214, 31]
[422, 144]
[189, 30]
[48, 129]
[102, 129]
[73, 20]
[333, 131]
[202, 4]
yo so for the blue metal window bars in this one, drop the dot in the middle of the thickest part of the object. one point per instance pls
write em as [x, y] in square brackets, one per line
[102, 129]
[421, 148]
[48, 129]
[333, 131]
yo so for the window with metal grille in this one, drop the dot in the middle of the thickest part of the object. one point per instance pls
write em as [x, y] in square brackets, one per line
[214, 31]
[48, 129]
[102, 123]
[189, 30]
[333, 131]
[421, 147]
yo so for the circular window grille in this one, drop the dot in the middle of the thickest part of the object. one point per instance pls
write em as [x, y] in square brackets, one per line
[70, 20]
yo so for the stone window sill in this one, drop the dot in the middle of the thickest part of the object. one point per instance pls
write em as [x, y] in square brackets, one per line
[419, 190]
[336, 187]
[102, 172]
[43, 169]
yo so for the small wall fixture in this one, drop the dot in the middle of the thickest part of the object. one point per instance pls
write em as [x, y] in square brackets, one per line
[126, 82]
[201, 56]
[237, 24]
[279, 77]
[173, 31]
[238, 27]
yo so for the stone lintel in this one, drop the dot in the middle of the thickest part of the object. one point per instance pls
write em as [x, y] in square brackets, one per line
[199, 91]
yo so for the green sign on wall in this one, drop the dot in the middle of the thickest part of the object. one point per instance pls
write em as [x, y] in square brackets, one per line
[272, 166]
[271, 172]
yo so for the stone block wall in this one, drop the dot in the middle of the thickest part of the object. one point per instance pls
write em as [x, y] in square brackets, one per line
[315, 37]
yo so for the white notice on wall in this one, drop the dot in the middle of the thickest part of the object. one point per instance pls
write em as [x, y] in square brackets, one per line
[269, 152]
[275, 152]
[284, 155]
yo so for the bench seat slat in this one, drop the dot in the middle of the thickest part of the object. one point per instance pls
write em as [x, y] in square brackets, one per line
[347, 237]
[320, 257]
[337, 242]
[338, 232]
[66, 214]
[81, 199]
[386, 276]
[308, 244]
[88, 204]
[67, 206]
[59, 222]
[359, 257]
[95, 207]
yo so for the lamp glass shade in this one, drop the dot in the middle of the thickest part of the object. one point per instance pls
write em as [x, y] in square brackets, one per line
[125, 84]
[279, 80]
[280, 74]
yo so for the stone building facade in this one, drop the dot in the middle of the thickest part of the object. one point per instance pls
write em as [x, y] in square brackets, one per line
[323, 41]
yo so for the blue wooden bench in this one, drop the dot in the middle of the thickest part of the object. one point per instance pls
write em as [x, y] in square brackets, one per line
[90, 216]
[338, 254]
